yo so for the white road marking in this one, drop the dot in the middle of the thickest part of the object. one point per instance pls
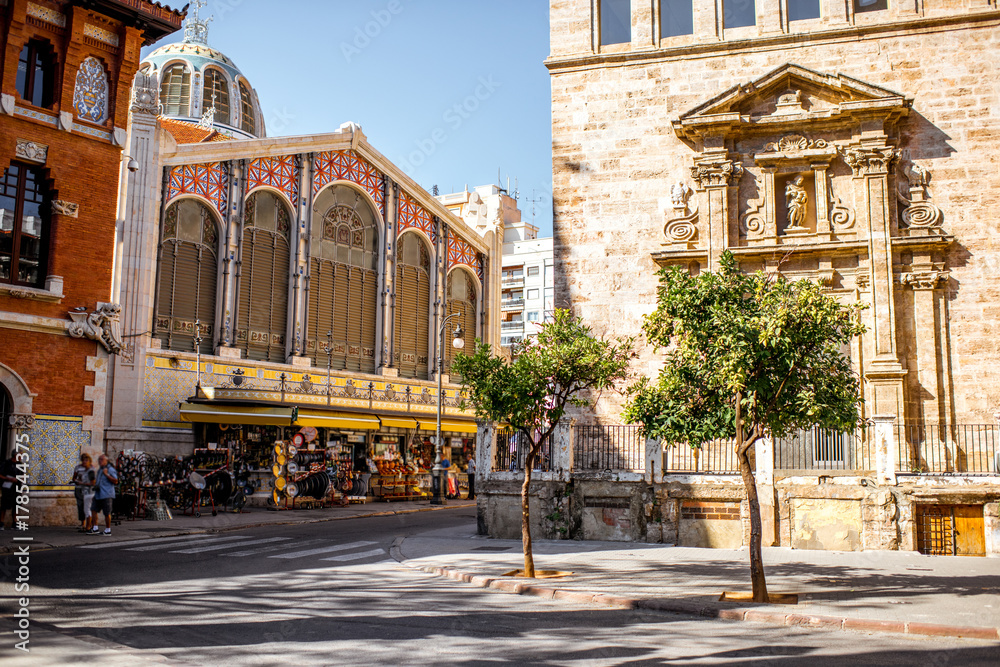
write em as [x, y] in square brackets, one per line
[254, 552]
[357, 556]
[216, 547]
[146, 540]
[212, 540]
[323, 550]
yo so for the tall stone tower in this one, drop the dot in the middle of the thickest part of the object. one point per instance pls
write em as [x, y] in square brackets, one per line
[854, 143]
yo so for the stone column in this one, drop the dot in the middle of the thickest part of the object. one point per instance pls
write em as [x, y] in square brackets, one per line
[821, 181]
[886, 449]
[486, 446]
[139, 208]
[764, 474]
[654, 460]
[871, 163]
[562, 451]
[388, 332]
[714, 173]
[928, 316]
[232, 236]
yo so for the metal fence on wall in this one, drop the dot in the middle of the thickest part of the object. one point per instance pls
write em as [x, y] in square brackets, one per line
[712, 457]
[512, 451]
[949, 449]
[825, 449]
[608, 447]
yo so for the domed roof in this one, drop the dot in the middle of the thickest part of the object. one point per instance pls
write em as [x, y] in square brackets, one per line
[234, 101]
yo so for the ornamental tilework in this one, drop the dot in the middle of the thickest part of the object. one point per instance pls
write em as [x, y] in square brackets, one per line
[461, 252]
[100, 34]
[412, 214]
[55, 449]
[349, 166]
[90, 95]
[280, 173]
[211, 181]
[163, 392]
[47, 15]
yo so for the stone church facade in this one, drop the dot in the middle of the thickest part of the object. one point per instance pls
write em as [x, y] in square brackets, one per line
[856, 146]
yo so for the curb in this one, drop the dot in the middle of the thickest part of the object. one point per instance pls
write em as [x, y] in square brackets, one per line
[224, 529]
[700, 609]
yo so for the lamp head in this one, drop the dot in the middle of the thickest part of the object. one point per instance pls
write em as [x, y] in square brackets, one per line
[458, 339]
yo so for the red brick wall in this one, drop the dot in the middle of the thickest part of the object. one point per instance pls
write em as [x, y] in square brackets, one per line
[53, 366]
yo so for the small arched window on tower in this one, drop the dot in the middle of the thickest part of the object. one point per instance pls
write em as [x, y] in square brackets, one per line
[216, 94]
[262, 313]
[175, 91]
[36, 73]
[189, 260]
[247, 118]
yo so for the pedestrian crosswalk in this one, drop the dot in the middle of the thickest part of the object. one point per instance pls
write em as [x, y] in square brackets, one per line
[245, 546]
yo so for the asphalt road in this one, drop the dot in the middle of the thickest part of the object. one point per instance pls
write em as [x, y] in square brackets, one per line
[330, 594]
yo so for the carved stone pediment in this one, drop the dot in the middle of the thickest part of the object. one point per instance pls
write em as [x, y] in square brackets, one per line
[788, 97]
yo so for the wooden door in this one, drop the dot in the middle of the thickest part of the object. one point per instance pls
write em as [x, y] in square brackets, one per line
[951, 530]
[970, 534]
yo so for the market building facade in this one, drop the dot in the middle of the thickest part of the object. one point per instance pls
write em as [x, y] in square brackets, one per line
[67, 71]
[852, 144]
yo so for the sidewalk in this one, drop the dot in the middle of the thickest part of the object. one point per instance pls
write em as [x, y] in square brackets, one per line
[63, 536]
[873, 591]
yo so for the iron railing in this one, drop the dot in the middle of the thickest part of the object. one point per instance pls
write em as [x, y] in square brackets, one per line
[716, 457]
[608, 447]
[948, 449]
[826, 449]
[512, 450]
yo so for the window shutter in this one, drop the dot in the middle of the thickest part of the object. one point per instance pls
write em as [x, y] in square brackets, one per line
[263, 310]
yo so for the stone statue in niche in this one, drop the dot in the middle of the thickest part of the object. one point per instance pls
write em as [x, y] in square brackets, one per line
[796, 200]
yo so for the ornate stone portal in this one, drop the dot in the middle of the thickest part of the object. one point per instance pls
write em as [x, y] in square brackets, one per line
[799, 172]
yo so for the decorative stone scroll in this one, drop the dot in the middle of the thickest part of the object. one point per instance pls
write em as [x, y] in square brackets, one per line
[22, 422]
[145, 94]
[919, 213]
[100, 325]
[681, 227]
[794, 143]
[69, 209]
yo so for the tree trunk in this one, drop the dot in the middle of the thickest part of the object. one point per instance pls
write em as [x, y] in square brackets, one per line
[529, 561]
[757, 579]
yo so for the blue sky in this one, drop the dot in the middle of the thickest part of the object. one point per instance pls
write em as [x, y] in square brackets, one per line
[450, 90]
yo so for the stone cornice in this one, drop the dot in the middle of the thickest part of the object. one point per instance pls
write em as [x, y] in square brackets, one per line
[9, 320]
[563, 64]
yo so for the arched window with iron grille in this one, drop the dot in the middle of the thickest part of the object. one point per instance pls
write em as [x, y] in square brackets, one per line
[462, 300]
[262, 313]
[175, 91]
[216, 94]
[344, 283]
[188, 263]
[248, 119]
[412, 305]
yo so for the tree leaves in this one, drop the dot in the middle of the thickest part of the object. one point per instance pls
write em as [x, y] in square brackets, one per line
[778, 343]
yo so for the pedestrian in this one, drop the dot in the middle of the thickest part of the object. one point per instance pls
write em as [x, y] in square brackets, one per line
[107, 477]
[84, 478]
[8, 486]
[471, 471]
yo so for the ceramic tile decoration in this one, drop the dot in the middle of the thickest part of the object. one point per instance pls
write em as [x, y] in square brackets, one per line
[280, 173]
[56, 443]
[412, 214]
[47, 15]
[90, 95]
[100, 34]
[210, 181]
[460, 252]
[349, 166]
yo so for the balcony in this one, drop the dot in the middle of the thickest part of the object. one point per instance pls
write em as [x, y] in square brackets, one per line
[512, 326]
[512, 304]
[512, 281]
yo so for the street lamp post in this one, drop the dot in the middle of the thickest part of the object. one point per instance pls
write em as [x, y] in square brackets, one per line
[437, 472]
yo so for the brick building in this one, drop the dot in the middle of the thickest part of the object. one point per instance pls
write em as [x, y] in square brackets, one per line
[66, 70]
[858, 143]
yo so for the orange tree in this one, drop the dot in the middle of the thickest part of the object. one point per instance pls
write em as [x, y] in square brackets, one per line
[549, 373]
[747, 356]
